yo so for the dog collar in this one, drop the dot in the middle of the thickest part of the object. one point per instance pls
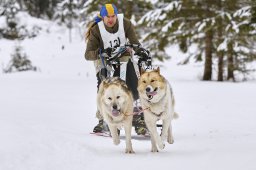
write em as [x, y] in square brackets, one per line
[157, 115]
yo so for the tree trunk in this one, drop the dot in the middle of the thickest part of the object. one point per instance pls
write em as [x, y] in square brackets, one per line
[220, 66]
[125, 7]
[71, 20]
[208, 55]
[21, 5]
[220, 39]
[253, 18]
[128, 10]
[230, 62]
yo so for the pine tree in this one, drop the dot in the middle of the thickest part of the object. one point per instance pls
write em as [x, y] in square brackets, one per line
[68, 13]
[238, 38]
[19, 62]
[158, 26]
[253, 18]
[9, 12]
[40, 8]
[220, 29]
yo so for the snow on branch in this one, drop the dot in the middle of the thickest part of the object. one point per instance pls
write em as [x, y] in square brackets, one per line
[160, 13]
[243, 12]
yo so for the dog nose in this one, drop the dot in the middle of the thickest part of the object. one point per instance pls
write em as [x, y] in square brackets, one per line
[115, 106]
[147, 89]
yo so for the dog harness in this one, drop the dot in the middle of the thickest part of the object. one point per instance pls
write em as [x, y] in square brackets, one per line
[157, 115]
[161, 113]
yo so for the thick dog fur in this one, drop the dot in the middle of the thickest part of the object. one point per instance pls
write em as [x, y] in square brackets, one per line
[157, 100]
[115, 103]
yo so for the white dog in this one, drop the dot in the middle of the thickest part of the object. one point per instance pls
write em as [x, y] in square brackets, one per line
[115, 103]
[157, 101]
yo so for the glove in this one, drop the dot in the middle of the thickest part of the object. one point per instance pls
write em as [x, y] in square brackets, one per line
[107, 52]
[143, 53]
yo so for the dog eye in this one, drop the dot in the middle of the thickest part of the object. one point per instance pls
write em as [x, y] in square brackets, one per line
[109, 98]
[144, 81]
[118, 97]
[152, 81]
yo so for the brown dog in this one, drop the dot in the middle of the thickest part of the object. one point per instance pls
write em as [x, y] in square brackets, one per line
[157, 101]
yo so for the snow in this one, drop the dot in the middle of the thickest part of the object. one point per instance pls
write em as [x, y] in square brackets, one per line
[201, 26]
[243, 49]
[243, 12]
[163, 16]
[46, 117]
[2, 22]
[24, 19]
[172, 5]
[223, 46]
[167, 26]
[152, 1]
[87, 3]
[160, 13]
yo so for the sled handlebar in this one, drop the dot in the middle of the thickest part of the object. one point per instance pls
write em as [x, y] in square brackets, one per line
[115, 56]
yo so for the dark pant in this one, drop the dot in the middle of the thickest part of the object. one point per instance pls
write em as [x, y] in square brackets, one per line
[131, 78]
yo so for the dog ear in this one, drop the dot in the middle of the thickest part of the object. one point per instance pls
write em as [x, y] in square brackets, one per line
[142, 70]
[105, 84]
[158, 70]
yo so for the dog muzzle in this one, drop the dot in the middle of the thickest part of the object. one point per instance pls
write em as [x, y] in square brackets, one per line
[115, 112]
[151, 94]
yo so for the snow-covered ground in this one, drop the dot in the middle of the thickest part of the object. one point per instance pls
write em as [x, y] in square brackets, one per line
[46, 117]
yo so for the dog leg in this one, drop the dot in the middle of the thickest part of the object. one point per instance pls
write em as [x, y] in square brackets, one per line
[153, 144]
[166, 124]
[128, 138]
[154, 134]
[115, 137]
[170, 139]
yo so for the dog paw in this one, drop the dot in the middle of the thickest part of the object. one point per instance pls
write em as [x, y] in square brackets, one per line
[161, 146]
[129, 151]
[170, 140]
[116, 141]
[154, 149]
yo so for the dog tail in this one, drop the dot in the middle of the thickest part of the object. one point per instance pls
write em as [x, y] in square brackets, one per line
[175, 115]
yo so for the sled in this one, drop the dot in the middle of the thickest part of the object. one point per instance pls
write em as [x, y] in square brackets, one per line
[107, 71]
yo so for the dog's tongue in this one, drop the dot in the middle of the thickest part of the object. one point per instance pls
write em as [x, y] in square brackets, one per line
[151, 93]
[115, 112]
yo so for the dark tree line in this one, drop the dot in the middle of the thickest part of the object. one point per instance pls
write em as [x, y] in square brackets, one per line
[39, 8]
[223, 31]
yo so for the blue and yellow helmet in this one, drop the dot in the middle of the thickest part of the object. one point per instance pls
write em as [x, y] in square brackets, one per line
[107, 9]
